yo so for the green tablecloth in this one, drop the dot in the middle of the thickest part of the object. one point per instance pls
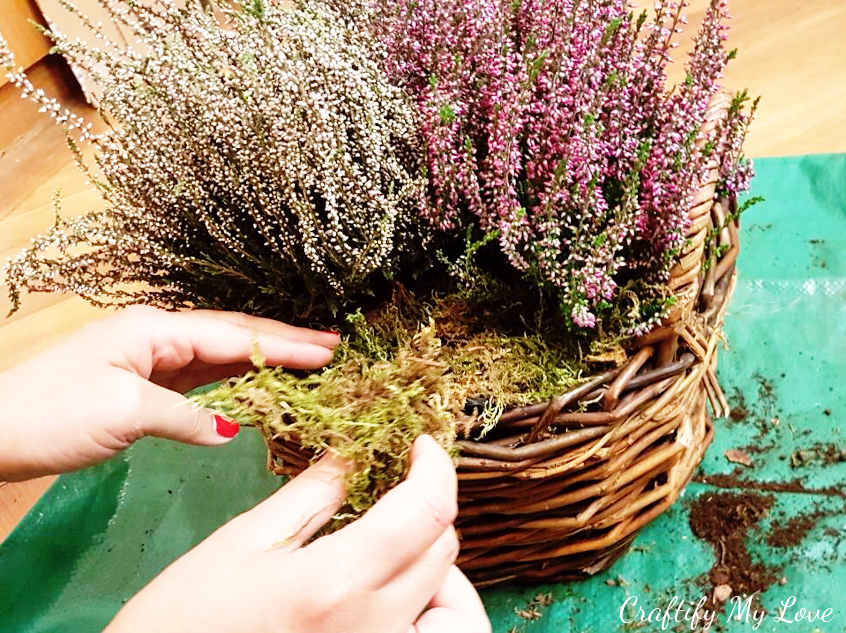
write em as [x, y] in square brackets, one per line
[99, 535]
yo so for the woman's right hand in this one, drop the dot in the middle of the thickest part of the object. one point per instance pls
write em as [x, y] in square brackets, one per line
[391, 571]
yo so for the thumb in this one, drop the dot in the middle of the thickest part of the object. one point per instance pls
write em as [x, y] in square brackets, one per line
[442, 620]
[289, 518]
[164, 413]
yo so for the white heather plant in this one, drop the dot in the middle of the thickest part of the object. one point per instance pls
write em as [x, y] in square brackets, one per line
[256, 158]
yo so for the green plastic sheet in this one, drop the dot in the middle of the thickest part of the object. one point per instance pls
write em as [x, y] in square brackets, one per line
[99, 535]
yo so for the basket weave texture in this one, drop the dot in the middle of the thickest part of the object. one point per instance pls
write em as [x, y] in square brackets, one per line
[557, 491]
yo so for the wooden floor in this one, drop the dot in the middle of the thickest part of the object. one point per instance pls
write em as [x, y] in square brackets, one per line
[792, 52]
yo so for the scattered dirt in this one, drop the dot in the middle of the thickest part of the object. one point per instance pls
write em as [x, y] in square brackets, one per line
[733, 480]
[724, 519]
[763, 413]
[759, 227]
[534, 609]
[792, 532]
[738, 406]
[759, 449]
[766, 391]
[819, 454]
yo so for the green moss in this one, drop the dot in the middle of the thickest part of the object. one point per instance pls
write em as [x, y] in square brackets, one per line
[368, 410]
[440, 366]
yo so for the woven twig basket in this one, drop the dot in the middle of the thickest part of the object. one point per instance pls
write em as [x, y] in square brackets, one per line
[558, 490]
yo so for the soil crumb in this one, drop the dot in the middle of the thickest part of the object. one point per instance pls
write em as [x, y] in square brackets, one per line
[734, 481]
[737, 402]
[822, 453]
[794, 530]
[534, 609]
[724, 519]
[791, 533]
[759, 449]
[763, 411]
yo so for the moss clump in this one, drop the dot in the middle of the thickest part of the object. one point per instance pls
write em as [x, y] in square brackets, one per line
[492, 359]
[440, 366]
[366, 409]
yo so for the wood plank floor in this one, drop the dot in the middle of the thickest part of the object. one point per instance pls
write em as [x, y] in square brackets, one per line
[791, 52]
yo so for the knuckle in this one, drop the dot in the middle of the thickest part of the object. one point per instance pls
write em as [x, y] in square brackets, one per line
[324, 600]
[124, 389]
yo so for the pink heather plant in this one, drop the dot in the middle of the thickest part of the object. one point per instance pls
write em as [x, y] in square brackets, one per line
[548, 122]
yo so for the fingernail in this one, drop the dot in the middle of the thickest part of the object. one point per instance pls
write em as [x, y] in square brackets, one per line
[335, 332]
[225, 427]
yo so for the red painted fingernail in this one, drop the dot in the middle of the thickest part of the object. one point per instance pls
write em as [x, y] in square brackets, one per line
[335, 332]
[225, 427]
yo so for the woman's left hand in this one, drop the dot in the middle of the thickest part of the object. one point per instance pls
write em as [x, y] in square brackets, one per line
[122, 378]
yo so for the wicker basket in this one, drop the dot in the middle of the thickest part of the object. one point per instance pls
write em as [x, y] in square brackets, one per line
[558, 490]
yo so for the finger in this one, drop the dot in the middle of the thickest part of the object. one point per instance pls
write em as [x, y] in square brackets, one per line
[159, 412]
[441, 620]
[198, 373]
[167, 341]
[218, 341]
[414, 588]
[458, 594]
[290, 517]
[405, 522]
[325, 338]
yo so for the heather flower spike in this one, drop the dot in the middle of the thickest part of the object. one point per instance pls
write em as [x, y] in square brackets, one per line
[549, 122]
[259, 162]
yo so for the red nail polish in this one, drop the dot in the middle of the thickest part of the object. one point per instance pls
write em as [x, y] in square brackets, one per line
[335, 332]
[225, 427]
